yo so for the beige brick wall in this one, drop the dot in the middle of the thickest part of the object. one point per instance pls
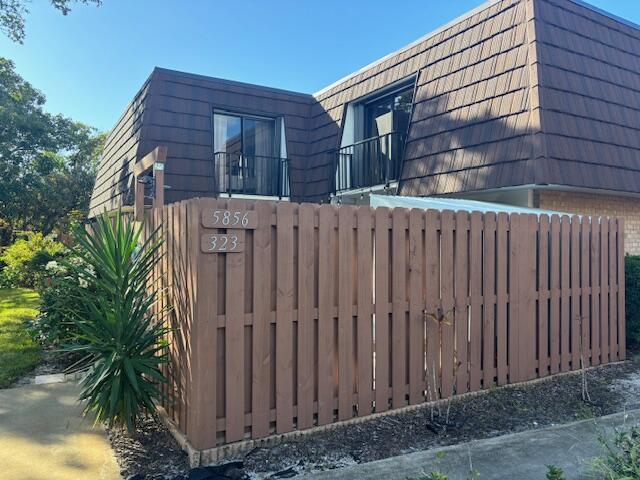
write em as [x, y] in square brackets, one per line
[597, 204]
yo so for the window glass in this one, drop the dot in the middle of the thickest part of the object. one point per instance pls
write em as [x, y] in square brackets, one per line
[249, 136]
[227, 130]
[258, 137]
[389, 114]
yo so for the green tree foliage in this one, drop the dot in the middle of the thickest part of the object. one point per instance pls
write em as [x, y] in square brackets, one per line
[24, 261]
[47, 162]
[12, 13]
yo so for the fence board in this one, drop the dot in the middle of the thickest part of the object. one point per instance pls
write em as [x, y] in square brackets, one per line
[306, 274]
[234, 345]
[575, 293]
[604, 290]
[489, 299]
[461, 313]
[475, 294]
[526, 303]
[399, 298]
[585, 288]
[262, 269]
[447, 314]
[365, 312]
[326, 277]
[284, 318]
[382, 309]
[613, 284]
[502, 271]
[595, 292]
[565, 316]
[203, 268]
[432, 286]
[543, 292]
[515, 251]
[345, 312]
[416, 307]
[554, 285]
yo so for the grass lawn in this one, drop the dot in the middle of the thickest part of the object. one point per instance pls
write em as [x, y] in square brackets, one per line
[18, 352]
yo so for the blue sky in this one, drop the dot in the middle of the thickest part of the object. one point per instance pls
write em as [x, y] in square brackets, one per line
[90, 63]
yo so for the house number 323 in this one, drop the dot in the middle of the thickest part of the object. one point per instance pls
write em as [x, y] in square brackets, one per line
[222, 243]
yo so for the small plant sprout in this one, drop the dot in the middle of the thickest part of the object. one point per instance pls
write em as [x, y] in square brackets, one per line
[554, 473]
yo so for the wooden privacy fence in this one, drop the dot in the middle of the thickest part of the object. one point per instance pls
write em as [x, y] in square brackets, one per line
[316, 314]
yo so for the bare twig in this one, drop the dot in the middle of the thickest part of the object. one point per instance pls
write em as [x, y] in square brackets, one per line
[583, 372]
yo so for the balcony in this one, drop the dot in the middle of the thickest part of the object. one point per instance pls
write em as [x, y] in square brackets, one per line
[255, 175]
[370, 163]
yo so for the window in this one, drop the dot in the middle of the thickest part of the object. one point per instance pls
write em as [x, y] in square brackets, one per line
[373, 138]
[389, 114]
[247, 155]
[249, 136]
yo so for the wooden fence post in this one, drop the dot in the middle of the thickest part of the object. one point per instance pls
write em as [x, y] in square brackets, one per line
[155, 161]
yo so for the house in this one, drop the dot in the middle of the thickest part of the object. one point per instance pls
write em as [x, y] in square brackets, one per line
[534, 103]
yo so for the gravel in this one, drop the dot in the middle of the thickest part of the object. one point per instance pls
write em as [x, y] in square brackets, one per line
[151, 453]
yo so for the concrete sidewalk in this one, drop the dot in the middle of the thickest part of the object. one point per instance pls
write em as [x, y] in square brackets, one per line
[521, 456]
[42, 435]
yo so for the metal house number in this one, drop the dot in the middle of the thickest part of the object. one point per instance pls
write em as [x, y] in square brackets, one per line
[220, 218]
[222, 242]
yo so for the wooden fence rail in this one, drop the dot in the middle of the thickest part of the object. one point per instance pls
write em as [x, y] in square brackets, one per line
[321, 313]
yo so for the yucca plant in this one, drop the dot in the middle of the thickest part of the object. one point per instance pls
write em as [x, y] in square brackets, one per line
[121, 340]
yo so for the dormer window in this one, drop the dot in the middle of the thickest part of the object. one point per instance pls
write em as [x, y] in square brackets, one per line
[249, 155]
[373, 138]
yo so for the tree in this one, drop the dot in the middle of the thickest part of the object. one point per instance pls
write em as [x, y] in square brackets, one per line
[12, 13]
[47, 162]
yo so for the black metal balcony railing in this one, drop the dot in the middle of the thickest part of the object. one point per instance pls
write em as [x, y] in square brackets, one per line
[369, 163]
[236, 173]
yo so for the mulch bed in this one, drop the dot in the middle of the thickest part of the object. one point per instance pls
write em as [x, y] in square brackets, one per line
[153, 454]
[150, 452]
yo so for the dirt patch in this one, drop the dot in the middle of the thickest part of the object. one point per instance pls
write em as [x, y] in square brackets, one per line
[612, 388]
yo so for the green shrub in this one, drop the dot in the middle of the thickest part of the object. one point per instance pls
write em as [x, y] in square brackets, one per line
[632, 299]
[52, 328]
[24, 260]
[121, 341]
[621, 460]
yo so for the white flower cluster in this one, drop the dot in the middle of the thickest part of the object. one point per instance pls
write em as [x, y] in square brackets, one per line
[54, 267]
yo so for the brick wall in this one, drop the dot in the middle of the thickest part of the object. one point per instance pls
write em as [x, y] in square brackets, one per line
[597, 204]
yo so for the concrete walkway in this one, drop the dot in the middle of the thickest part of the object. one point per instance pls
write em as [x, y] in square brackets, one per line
[42, 435]
[521, 456]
